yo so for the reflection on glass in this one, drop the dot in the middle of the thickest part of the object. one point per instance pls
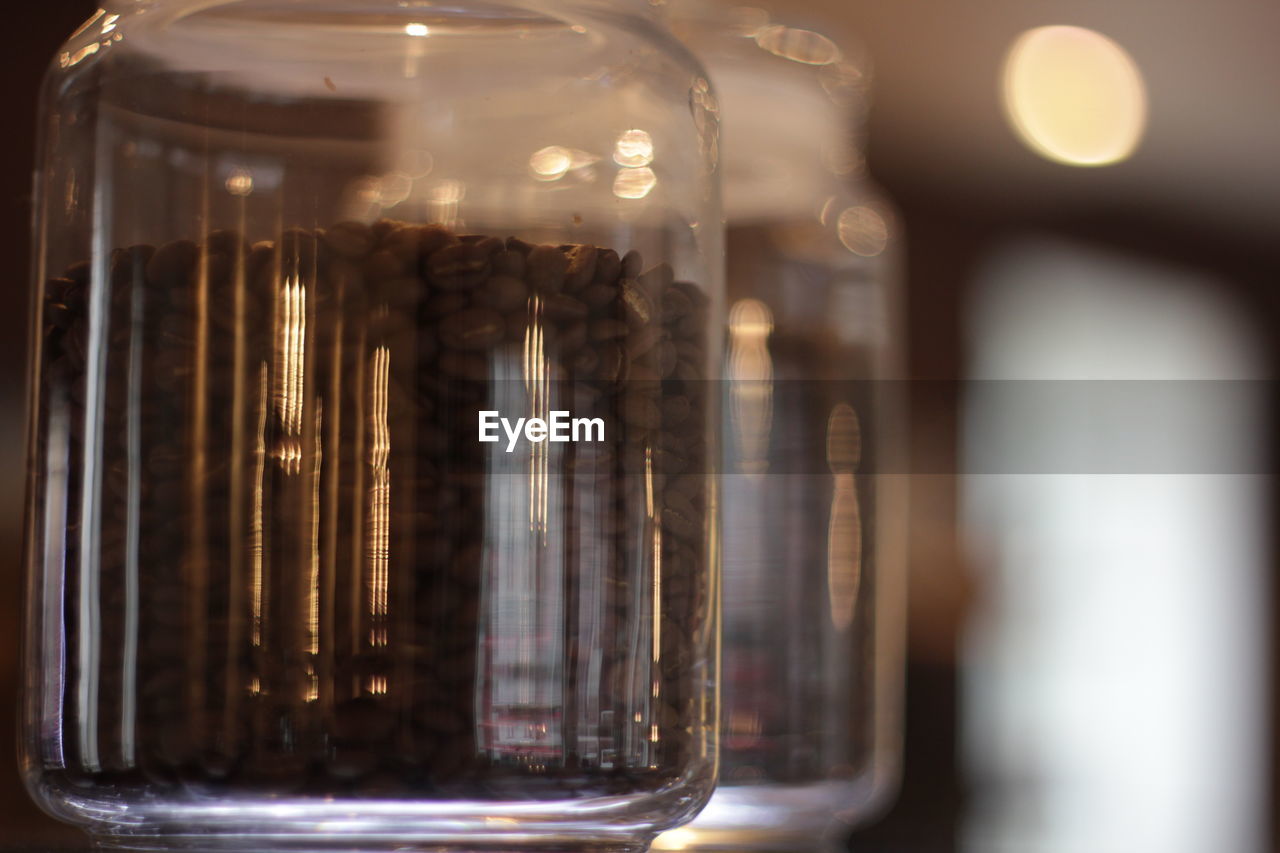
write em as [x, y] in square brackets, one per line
[240, 183]
[634, 183]
[634, 149]
[751, 388]
[844, 537]
[520, 680]
[258, 525]
[378, 544]
[804, 46]
[551, 163]
[862, 230]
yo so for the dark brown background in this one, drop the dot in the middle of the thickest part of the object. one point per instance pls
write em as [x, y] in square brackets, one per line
[1201, 201]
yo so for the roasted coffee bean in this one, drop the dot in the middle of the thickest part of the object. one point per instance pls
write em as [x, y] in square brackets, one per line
[637, 308]
[666, 359]
[350, 240]
[599, 295]
[582, 267]
[687, 371]
[612, 364]
[58, 316]
[79, 273]
[383, 227]
[503, 293]
[638, 409]
[302, 254]
[387, 325]
[508, 263]
[458, 267]
[515, 244]
[571, 339]
[640, 342]
[692, 292]
[404, 243]
[445, 303]
[223, 242]
[658, 279]
[689, 352]
[586, 362]
[690, 326]
[643, 374]
[472, 329]
[433, 238]
[680, 516]
[675, 411]
[519, 325]
[173, 264]
[384, 264]
[606, 329]
[217, 269]
[401, 293]
[563, 308]
[545, 269]
[463, 365]
[608, 266]
[675, 304]
[631, 265]
[261, 256]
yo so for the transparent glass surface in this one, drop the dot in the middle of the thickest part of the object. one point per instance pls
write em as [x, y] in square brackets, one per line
[292, 256]
[813, 501]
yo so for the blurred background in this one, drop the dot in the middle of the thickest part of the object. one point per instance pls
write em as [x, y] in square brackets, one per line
[1092, 639]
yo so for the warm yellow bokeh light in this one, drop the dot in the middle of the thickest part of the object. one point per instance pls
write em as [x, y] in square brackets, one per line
[1074, 96]
[634, 149]
[240, 183]
[551, 163]
[675, 839]
[634, 183]
[863, 231]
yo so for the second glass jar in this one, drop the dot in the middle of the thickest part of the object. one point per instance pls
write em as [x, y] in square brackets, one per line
[812, 493]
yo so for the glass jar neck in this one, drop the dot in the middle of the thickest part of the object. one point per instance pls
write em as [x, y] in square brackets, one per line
[792, 102]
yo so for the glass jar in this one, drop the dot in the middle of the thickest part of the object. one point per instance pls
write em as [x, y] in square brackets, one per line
[812, 493]
[370, 496]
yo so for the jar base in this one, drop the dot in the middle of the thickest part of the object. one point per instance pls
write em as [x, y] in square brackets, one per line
[619, 825]
[224, 843]
[241, 821]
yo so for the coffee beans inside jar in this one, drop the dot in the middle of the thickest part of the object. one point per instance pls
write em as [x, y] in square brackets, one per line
[309, 576]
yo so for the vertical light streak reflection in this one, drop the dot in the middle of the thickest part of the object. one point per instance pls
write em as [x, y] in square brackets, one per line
[313, 581]
[655, 689]
[536, 386]
[290, 344]
[88, 651]
[256, 528]
[844, 532]
[379, 547]
[197, 580]
[53, 571]
[751, 383]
